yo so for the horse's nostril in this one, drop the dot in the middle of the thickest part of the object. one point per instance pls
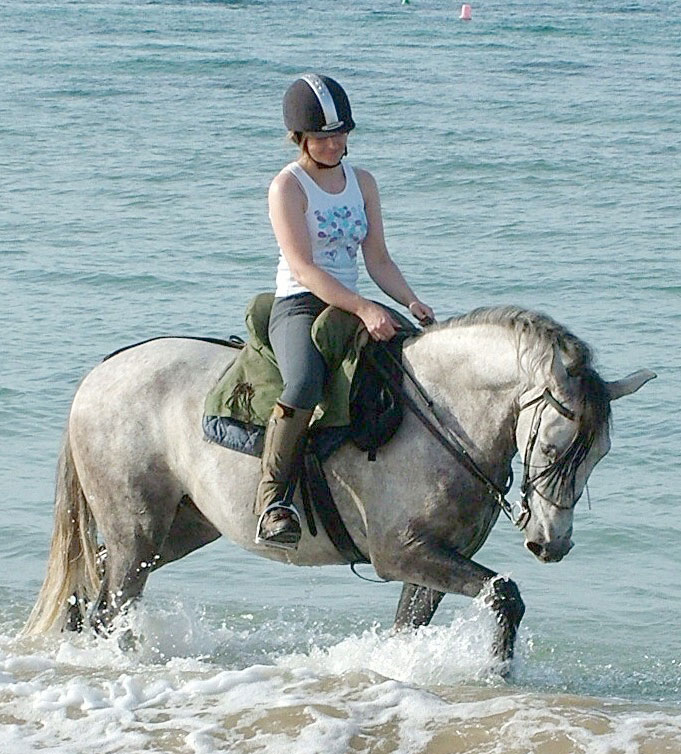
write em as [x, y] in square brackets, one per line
[534, 548]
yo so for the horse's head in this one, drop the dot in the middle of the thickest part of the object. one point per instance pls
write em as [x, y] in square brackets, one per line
[562, 432]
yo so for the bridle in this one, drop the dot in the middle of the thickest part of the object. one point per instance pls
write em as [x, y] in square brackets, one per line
[527, 486]
[454, 446]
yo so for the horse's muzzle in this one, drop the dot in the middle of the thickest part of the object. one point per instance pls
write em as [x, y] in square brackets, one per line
[550, 552]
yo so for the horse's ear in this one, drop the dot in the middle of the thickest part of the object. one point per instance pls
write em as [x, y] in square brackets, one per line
[630, 384]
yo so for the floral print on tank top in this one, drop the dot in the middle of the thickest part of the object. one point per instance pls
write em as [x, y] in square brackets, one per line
[340, 227]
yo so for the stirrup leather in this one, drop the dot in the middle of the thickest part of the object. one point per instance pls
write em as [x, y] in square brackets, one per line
[288, 536]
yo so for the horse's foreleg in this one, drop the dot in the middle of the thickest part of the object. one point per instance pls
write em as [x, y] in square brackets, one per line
[417, 606]
[507, 604]
[439, 569]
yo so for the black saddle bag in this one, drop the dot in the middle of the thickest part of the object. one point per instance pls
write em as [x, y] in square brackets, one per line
[376, 395]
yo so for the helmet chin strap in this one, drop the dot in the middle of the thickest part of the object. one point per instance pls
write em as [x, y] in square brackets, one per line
[321, 165]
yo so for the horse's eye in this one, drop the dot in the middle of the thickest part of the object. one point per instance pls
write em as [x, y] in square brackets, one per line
[549, 451]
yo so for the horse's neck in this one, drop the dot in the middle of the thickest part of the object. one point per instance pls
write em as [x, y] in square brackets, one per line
[474, 378]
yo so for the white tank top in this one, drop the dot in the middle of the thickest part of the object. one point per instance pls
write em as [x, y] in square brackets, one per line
[337, 225]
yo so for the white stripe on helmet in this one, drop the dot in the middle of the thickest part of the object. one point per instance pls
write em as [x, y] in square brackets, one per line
[325, 98]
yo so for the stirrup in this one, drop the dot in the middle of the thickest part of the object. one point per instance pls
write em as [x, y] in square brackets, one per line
[288, 536]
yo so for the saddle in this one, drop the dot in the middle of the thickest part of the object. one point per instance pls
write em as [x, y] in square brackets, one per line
[361, 402]
[248, 389]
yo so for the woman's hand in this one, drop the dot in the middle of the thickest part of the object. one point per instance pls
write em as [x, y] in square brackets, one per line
[422, 312]
[378, 322]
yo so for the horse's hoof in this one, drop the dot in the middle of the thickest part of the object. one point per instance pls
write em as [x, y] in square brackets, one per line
[74, 616]
[279, 526]
[127, 641]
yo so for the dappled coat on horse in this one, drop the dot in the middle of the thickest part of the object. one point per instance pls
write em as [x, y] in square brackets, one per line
[137, 476]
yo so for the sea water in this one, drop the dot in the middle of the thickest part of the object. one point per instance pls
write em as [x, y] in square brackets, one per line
[529, 156]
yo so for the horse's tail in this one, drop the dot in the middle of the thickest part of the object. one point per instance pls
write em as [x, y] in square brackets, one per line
[72, 578]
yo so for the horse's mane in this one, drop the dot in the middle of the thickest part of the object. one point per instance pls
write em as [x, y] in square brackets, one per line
[537, 330]
[538, 333]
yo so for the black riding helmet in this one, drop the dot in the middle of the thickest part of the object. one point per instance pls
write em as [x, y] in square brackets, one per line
[317, 104]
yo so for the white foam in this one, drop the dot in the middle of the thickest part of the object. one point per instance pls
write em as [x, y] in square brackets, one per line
[433, 655]
[186, 689]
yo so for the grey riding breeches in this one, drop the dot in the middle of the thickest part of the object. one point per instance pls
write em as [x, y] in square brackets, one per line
[302, 367]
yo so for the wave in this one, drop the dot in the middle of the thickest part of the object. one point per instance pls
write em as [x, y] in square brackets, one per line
[426, 692]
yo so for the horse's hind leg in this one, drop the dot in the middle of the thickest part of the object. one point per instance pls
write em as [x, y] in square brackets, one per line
[134, 535]
[75, 611]
[127, 567]
[189, 531]
[417, 606]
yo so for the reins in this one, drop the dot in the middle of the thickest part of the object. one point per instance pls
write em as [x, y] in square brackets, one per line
[449, 441]
[453, 445]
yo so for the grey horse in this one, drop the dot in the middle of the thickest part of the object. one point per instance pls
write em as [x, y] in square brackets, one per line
[137, 477]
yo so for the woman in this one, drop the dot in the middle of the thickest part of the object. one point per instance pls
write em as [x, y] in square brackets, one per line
[322, 210]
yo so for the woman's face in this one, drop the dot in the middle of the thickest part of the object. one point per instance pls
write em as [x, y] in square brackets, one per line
[326, 148]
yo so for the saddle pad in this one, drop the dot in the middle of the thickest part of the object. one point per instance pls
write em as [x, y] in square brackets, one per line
[249, 438]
